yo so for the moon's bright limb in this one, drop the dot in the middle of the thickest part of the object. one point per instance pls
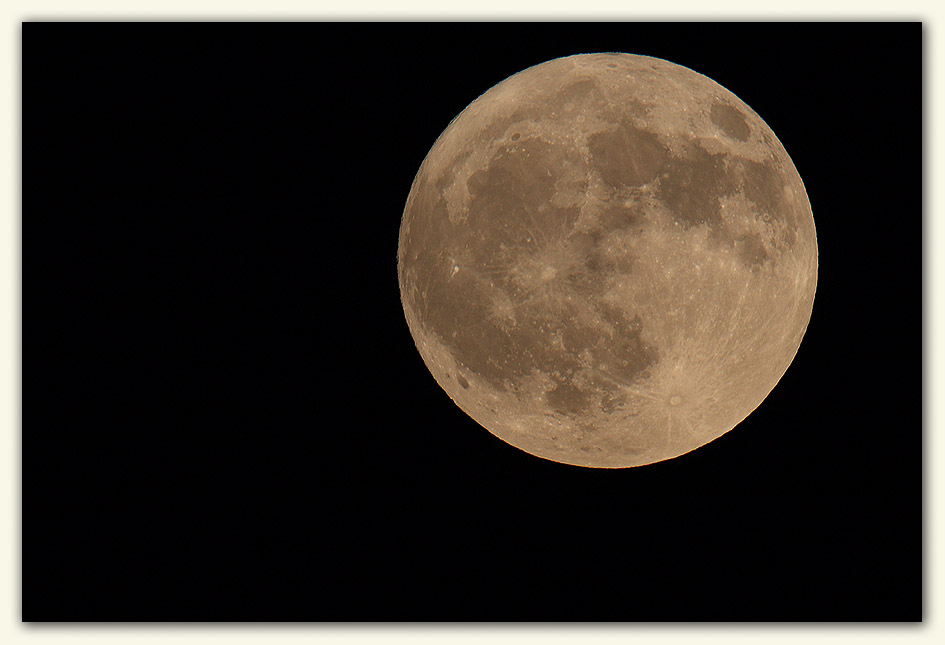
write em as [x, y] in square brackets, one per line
[607, 260]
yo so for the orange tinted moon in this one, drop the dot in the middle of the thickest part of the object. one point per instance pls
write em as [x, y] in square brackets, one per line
[607, 260]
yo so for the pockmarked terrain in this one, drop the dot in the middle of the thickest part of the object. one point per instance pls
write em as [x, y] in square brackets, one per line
[607, 260]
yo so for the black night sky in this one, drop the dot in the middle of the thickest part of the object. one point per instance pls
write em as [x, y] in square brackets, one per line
[225, 416]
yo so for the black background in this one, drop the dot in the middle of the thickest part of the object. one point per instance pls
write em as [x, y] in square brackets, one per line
[225, 416]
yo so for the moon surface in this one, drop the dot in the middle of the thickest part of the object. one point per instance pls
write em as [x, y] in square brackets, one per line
[607, 260]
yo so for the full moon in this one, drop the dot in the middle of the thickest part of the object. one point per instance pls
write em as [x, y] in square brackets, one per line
[607, 260]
